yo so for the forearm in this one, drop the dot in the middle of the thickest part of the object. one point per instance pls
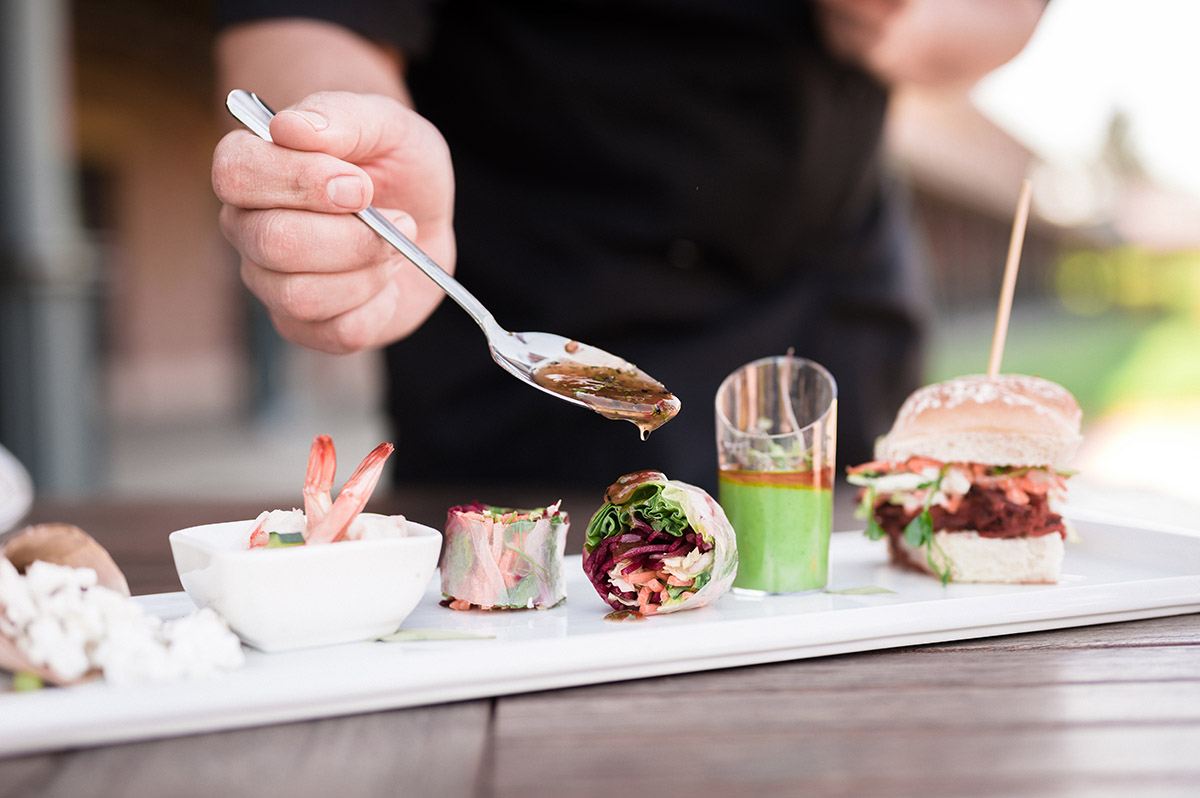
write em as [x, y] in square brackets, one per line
[929, 42]
[284, 60]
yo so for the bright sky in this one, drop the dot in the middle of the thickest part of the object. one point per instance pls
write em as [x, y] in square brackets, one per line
[1090, 57]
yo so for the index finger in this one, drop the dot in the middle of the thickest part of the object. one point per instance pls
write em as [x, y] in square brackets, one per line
[248, 172]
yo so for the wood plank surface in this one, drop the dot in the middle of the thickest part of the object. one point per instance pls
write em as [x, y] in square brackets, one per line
[423, 751]
[1021, 716]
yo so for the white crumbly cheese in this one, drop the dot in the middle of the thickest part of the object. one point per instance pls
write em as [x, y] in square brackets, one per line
[60, 618]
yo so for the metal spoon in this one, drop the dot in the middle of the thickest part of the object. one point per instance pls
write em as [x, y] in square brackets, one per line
[570, 370]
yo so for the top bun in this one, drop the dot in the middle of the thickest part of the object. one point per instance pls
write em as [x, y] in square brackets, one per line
[1009, 419]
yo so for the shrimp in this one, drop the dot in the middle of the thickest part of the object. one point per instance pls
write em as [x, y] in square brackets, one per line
[333, 523]
[326, 519]
[318, 479]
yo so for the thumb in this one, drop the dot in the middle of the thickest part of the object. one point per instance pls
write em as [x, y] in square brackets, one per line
[404, 154]
[354, 127]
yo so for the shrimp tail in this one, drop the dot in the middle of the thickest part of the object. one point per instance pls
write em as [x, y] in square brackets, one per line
[351, 499]
[318, 479]
[258, 533]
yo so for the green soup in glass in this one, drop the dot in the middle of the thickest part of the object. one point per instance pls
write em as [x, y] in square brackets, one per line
[782, 521]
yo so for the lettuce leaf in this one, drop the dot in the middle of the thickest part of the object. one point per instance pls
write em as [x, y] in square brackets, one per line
[647, 503]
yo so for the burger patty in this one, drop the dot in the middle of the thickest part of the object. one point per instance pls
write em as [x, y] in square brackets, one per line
[984, 510]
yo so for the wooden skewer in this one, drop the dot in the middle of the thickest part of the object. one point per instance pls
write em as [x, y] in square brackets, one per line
[1010, 278]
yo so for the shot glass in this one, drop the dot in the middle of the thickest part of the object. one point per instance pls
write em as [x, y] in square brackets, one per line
[776, 439]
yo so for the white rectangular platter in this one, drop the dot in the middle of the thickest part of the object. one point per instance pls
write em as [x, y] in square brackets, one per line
[1113, 572]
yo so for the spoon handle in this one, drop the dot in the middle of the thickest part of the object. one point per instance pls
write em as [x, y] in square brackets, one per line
[252, 112]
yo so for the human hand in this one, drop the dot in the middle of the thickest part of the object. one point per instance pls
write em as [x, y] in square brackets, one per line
[927, 42]
[853, 29]
[327, 280]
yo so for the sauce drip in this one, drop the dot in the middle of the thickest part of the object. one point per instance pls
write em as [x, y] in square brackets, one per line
[624, 616]
[619, 394]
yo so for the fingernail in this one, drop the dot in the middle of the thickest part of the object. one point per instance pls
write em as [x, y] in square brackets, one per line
[346, 192]
[317, 121]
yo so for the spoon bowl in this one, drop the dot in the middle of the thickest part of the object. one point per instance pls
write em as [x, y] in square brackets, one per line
[586, 376]
[575, 372]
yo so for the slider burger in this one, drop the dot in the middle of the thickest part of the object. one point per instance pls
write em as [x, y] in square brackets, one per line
[962, 485]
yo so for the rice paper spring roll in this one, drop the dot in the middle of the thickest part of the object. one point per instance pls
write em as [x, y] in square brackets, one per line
[659, 545]
[504, 558]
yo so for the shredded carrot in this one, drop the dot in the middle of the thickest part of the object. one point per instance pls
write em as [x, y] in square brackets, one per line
[506, 560]
[507, 565]
[675, 581]
[655, 585]
[874, 465]
[460, 604]
[640, 577]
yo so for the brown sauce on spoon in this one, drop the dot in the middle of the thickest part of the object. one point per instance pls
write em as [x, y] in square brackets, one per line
[619, 394]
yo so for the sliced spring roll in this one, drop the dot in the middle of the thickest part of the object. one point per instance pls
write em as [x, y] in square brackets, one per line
[503, 558]
[659, 545]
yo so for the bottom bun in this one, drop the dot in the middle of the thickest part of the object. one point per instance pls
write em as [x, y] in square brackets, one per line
[973, 558]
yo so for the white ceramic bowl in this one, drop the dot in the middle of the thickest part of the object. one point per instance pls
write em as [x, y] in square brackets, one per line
[296, 597]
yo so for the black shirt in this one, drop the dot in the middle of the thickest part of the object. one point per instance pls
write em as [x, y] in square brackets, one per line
[689, 184]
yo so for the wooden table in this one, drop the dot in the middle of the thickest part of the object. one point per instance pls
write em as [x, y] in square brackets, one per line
[1102, 710]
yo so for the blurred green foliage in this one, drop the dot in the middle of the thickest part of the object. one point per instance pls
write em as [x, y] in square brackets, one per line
[1122, 326]
[1093, 282]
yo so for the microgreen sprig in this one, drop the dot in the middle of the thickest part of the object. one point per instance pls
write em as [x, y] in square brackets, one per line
[866, 511]
[919, 531]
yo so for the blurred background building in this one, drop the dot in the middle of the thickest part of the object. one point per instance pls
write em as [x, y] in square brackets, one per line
[133, 362]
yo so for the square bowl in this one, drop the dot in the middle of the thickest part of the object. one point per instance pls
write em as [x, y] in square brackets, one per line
[302, 596]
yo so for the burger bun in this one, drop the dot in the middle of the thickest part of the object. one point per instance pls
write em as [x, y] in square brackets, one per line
[1006, 420]
[971, 557]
